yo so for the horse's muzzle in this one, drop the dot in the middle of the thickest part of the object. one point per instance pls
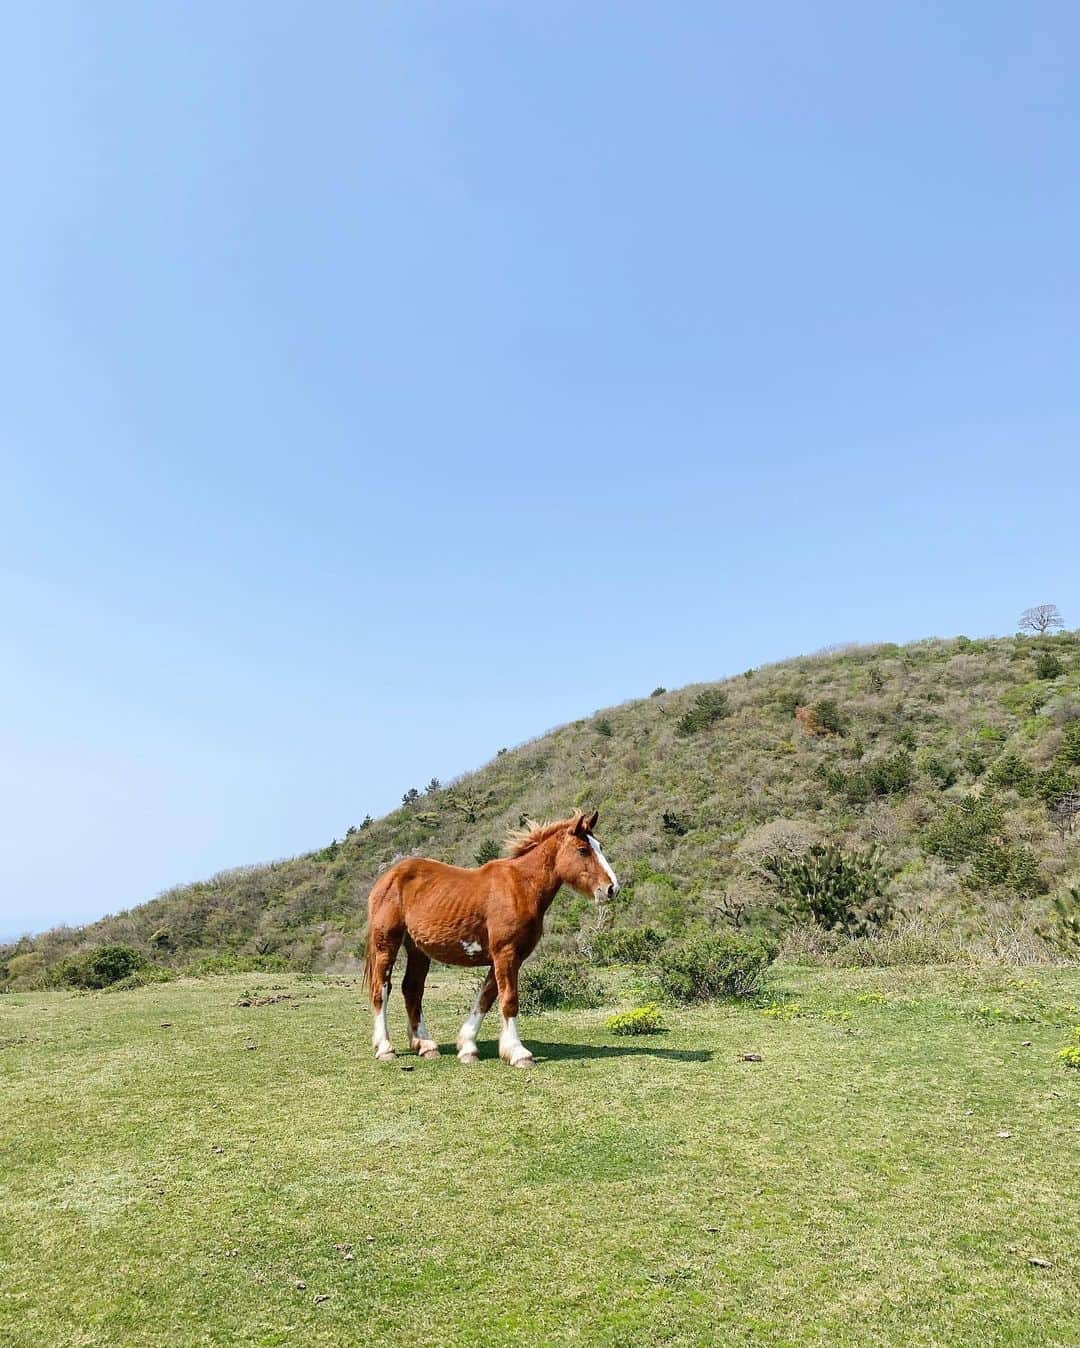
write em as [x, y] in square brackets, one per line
[607, 891]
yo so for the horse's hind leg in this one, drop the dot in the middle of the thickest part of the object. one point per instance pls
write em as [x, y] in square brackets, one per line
[386, 930]
[412, 986]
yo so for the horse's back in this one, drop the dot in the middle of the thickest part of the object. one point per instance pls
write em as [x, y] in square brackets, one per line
[444, 908]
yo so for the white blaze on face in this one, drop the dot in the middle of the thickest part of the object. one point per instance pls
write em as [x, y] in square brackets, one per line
[603, 860]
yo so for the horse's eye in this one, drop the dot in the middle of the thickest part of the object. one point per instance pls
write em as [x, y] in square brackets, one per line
[584, 851]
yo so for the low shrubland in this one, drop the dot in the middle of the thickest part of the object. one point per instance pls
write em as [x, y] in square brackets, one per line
[558, 982]
[955, 764]
[708, 965]
[647, 1019]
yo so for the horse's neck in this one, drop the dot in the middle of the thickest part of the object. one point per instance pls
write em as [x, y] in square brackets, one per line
[538, 869]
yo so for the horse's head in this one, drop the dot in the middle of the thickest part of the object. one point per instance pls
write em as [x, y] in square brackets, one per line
[580, 862]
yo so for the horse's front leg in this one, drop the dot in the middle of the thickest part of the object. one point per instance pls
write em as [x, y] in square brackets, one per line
[482, 1004]
[511, 1049]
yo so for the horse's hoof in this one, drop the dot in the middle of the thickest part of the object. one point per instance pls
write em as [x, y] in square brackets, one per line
[387, 1055]
[527, 1061]
[429, 1053]
[468, 1057]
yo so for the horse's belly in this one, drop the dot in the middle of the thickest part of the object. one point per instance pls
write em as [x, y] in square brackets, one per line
[465, 944]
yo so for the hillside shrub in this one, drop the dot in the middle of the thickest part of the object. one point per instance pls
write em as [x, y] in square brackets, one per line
[839, 891]
[1011, 770]
[98, 968]
[960, 830]
[942, 771]
[489, 850]
[709, 965]
[1070, 743]
[1057, 782]
[604, 728]
[1069, 1053]
[559, 982]
[710, 705]
[892, 775]
[658, 691]
[628, 945]
[828, 716]
[673, 822]
[1009, 865]
[229, 963]
[647, 1019]
[1048, 666]
[142, 978]
[23, 972]
[1063, 931]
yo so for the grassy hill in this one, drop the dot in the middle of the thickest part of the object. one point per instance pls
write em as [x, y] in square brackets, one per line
[187, 1164]
[955, 759]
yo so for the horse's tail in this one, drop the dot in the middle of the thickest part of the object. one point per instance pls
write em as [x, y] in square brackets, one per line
[369, 958]
[377, 891]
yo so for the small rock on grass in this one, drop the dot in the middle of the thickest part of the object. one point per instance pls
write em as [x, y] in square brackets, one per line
[1040, 1263]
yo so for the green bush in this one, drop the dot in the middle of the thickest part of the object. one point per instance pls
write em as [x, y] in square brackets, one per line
[961, 830]
[710, 705]
[628, 945]
[828, 715]
[24, 971]
[98, 968]
[839, 891]
[143, 978]
[1011, 770]
[237, 964]
[647, 1019]
[1070, 743]
[1008, 865]
[1064, 929]
[1048, 666]
[489, 850]
[1055, 783]
[1070, 1052]
[708, 965]
[658, 691]
[942, 771]
[889, 776]
[604, 728]
[558, 982]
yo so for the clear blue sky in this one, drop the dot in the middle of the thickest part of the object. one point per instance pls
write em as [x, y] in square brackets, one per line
[384, 383]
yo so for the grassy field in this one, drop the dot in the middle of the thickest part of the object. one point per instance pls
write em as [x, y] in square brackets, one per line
[180, 1169]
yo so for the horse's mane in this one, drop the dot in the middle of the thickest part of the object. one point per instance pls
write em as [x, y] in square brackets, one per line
[530, 835]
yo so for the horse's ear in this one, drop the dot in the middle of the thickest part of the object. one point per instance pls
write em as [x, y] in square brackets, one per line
[590, 821]
[577, 824]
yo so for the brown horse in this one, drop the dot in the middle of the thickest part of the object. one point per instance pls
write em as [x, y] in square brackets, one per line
[492, 915]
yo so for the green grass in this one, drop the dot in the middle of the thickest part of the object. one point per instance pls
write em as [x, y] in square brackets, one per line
[175, 1183]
